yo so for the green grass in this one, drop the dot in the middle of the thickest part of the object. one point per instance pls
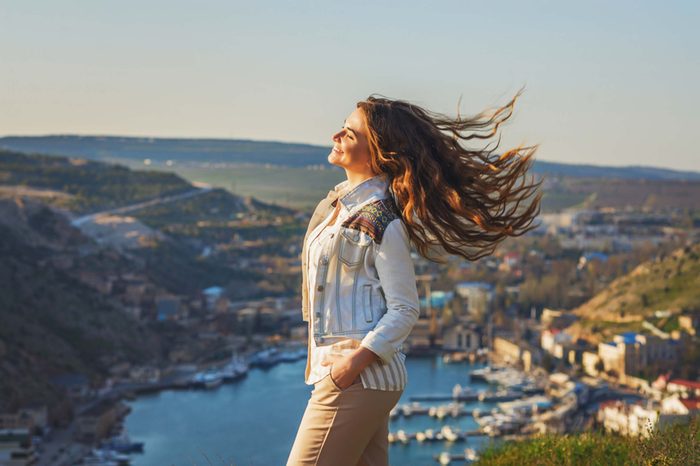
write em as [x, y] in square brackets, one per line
[302, 188]
[296, 187]
[675, 445]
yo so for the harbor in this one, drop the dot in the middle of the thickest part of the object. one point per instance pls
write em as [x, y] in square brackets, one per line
[256, 419]
[248, 406]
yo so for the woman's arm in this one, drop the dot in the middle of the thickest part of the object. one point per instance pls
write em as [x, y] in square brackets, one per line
[397, 277]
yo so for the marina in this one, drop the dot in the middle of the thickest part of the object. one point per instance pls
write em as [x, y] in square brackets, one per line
[236, 422]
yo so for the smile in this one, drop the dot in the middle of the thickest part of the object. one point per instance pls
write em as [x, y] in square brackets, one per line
[337, 151]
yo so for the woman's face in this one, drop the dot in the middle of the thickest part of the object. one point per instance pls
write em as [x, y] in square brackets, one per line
[350, 146]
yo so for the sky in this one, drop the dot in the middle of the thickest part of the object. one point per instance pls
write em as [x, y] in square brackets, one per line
[606, 83]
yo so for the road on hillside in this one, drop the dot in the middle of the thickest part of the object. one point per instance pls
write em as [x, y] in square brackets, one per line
[130, 208]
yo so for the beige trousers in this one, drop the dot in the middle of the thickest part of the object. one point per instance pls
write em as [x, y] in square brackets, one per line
[344, 427]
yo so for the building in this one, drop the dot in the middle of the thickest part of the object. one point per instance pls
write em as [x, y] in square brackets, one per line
[30, 417]
[689, 322]
[477, 298]
[591, 363]
[95, 423]
[632, 353]
[685, 388]
[553, 318]
[686, 407]
[16, 448]
[212, 295]
[510, 351]
[169, 308]
[554, 342]
[464, 336]
[636, 419]
[76, 385]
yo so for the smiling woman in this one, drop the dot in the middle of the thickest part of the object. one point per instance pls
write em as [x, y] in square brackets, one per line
[409, 180]
[351, 148]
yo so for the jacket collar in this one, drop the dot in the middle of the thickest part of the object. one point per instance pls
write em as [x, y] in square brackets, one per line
[370, 189]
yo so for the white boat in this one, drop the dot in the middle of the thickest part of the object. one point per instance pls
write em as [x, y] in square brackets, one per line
[449, 434]
[458, 391]
[210, 378]
[235, 369]
[409, 409]
[470, 454]
[529, 405]
[402, 437]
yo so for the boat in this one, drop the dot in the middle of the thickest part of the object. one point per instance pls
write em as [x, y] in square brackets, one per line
[529, 405]
[210, 378]
[236, 369]
[499, 395]
[292, 355]
[409, 409]
[446, 457]
[456, 357]
[265, 359]
[428, 435]
[484, 372]
[122, 444]
[106, 457]
[449, 434]
[402, 437]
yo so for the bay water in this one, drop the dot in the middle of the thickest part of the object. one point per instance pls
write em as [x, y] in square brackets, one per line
[253, 421]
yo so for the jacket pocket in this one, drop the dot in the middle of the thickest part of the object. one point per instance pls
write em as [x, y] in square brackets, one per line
[352, 247]
[367, 302]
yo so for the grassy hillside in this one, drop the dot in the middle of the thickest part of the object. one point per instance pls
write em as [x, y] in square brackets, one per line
[90, 185]
[671, 282]
[676, 445]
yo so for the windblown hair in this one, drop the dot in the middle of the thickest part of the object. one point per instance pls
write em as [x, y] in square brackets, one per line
[455, 199]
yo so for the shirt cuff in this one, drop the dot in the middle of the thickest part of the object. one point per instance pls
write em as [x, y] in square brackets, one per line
[379, 346]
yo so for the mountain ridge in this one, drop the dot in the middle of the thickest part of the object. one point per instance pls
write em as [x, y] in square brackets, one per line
[265, 152]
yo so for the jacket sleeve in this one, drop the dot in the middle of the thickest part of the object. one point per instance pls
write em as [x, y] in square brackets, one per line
[398, 280]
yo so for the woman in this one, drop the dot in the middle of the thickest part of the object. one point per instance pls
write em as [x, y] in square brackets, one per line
[409, 181]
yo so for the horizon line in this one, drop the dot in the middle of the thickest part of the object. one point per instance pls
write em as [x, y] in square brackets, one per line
[217, 138]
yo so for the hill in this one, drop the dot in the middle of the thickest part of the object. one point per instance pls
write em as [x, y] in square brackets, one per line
[52, 323]
[87, 186]
[670, 282]
[243, 151]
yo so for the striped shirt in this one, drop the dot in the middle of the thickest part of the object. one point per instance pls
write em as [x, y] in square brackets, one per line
[377, 376]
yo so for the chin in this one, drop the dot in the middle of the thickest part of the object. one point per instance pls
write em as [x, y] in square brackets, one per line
[333, 160]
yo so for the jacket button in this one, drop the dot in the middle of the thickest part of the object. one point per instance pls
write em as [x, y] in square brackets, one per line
[320, 288]
[324, 260]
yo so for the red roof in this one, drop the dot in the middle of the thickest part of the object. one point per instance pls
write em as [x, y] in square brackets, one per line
[691, 404]
[688, 383]
[606, 403]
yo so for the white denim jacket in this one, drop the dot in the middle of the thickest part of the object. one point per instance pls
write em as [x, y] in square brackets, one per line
[365, 285]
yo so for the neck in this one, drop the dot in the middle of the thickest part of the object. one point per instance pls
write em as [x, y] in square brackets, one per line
[355, 178]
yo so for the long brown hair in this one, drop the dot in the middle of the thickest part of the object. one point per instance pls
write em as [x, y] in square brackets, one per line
[454, 199]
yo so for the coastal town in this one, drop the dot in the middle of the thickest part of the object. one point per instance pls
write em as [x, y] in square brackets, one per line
[549, 369]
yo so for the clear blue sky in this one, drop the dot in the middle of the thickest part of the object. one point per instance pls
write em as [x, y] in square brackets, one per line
[612, 83]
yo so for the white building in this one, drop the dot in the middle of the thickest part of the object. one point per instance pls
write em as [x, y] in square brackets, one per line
[461, 337]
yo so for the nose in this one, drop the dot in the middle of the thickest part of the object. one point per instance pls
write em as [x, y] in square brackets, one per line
[336, 136]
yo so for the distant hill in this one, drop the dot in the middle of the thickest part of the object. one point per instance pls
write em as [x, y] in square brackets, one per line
[84, 186]
[264, 152]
